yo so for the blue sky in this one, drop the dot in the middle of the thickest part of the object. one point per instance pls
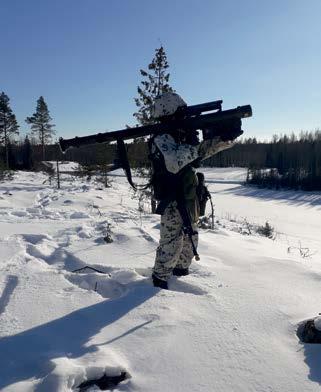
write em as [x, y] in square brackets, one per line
[84, 57]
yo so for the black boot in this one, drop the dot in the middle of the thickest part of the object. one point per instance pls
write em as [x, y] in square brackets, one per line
[180, 271]
[162, 284]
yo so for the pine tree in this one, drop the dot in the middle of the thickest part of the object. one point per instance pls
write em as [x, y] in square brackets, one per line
[40, 124]
[8, 124]
[155, 83]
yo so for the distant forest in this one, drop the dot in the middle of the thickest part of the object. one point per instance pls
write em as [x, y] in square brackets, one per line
[284, 162]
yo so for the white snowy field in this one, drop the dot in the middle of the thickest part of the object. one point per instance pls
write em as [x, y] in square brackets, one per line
[228, 326]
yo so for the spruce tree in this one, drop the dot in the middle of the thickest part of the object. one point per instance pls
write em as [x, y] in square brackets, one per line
[8, 124]
[40, 124]
[155, 82]
[27, 154]
[11, 156]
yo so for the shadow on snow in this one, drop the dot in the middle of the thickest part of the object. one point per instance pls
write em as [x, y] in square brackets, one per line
[312, 199]
[312, 354]
[28, 354]
[11, 284]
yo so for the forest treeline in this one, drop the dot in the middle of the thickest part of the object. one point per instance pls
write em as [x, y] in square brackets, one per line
[284, 162]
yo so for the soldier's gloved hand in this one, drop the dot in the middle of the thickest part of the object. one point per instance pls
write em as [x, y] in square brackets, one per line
[212, 146]
[231, 135]
[196, 163]
[188, 230]
[231, 129]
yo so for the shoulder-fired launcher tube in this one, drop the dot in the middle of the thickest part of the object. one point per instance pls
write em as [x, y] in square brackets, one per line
[196, 122]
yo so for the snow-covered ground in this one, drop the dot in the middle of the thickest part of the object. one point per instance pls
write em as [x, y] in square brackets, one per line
[228, 326]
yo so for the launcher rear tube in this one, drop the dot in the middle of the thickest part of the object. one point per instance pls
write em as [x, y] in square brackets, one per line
[191, 123]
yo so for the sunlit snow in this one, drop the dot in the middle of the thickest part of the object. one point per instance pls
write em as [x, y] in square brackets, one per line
[228, 326]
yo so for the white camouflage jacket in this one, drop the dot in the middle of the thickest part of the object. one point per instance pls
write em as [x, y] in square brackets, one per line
[177, 156]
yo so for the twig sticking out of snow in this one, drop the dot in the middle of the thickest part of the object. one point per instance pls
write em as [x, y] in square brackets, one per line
[304, 252]
[83, 269]
[248, 226]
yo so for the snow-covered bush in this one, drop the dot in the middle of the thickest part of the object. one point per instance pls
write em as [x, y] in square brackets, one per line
[205, 222]
[5, 175]
[146, 202]
[266, 230]
[108, 237]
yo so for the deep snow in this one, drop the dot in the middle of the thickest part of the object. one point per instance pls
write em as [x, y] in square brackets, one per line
[229, 326]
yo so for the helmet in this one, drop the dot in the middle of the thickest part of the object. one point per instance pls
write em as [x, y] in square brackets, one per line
[167, 104]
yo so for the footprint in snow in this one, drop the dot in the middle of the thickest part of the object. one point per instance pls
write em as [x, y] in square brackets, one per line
[46, 249]
[145, 272]
[121, 238]
[36, 238]
[146, 236]
[64, 374]
[19, 213]
[174, 284]
[108, 381]
[184, 287]
[79, 215]
[102, 284]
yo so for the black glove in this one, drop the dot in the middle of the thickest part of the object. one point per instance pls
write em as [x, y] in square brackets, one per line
[231, 130]
[196, 163]
[188, 230]
[227, 130]
[231, 135]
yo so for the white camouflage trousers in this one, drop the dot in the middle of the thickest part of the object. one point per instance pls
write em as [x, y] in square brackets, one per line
[175, 247]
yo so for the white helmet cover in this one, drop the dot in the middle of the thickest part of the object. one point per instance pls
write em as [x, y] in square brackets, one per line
[167, 104]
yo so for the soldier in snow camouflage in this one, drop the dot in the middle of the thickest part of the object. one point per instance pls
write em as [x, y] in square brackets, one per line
[174, 159]
[174, 252]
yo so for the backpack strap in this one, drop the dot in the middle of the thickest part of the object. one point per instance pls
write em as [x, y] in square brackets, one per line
[122, 155]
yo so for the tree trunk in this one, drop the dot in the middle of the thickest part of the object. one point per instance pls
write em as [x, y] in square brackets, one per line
[58, 175]
[6, 147]
[153, 204]
[43, 144]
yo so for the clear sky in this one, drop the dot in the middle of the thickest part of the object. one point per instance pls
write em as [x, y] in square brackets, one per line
[84, 57]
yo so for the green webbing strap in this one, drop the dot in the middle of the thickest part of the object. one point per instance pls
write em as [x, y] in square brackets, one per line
[188, 229]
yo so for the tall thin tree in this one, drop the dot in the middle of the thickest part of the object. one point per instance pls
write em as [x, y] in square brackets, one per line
[155, 82]
[8, 124]
[40, 124]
